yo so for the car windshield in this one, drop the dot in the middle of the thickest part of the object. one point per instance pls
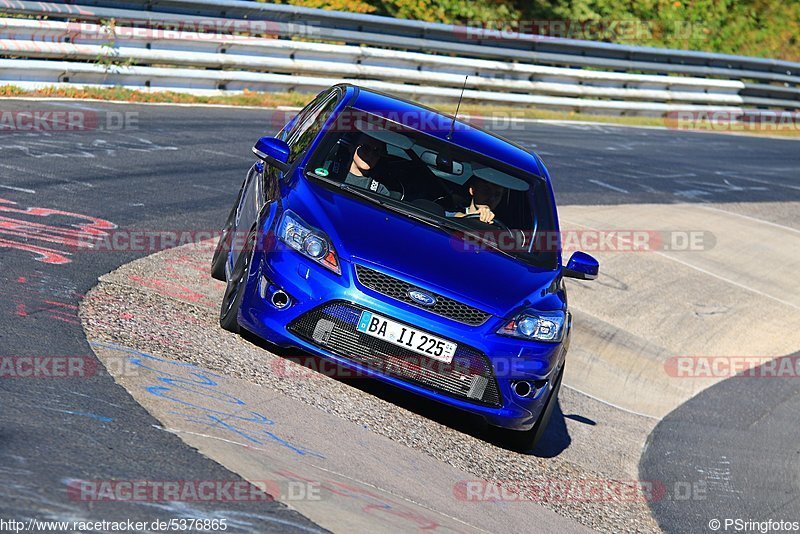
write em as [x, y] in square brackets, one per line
[439, 182]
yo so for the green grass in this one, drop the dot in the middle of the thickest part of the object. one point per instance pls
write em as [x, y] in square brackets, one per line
[271, 100]
[247, 98]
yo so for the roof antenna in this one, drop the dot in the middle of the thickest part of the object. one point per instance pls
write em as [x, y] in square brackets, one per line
[460, 98]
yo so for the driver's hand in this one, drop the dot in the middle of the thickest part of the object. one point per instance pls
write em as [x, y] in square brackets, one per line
[485, 213]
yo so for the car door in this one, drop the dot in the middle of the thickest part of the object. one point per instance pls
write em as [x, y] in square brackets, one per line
[261, 183]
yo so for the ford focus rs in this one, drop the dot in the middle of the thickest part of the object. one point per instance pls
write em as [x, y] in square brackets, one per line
[410, 247]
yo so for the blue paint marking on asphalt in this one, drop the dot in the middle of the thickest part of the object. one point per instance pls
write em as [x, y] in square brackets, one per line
[199, 383]
[216, 422]
[102, 418]
[254, 417]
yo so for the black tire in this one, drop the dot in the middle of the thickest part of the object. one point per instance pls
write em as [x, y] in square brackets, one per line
[220, 256]
[223, 247]
[526, 440]
[232, 299]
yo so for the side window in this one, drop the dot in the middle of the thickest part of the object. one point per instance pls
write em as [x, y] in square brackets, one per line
[290, 127]
[309, 123]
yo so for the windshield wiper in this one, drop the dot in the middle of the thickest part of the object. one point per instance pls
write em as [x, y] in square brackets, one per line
[452, 225]
[346, 187]
[489, 242]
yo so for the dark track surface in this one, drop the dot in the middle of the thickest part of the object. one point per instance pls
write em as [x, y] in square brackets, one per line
[53, 430]
[736, 443]
[180, 170]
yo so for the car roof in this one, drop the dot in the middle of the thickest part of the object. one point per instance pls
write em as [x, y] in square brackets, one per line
[465, 135]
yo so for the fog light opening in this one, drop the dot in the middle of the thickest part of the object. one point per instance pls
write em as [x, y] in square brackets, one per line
[522, 388]
[280, 299]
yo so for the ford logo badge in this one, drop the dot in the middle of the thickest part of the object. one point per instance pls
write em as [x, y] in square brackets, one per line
[422, 298]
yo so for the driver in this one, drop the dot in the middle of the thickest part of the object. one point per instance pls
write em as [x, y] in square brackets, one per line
[485, 197]
[366, 156]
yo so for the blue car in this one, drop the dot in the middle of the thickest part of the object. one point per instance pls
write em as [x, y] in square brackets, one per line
[407, 246]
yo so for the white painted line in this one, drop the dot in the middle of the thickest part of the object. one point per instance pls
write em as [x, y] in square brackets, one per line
[567, 123]
[709, 273]
[765, 182]
[680, 175]
[227, 154]
[732, 282]
[611, 404]
[23, 170]
[609, 186]
[79, 103]
[211, 188]
[103, 167]
[749, 218]
[20, 189]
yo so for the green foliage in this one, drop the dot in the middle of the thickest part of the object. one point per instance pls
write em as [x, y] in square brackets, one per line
[768, 28]
[352, 6]
[108, 57]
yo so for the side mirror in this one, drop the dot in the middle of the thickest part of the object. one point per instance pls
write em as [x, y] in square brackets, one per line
[273, 151]
[582, 266]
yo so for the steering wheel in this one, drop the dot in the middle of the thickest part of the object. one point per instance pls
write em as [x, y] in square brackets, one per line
[518, 235]
[495, 221]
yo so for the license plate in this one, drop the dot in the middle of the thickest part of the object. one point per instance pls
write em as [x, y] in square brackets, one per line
[407, 337]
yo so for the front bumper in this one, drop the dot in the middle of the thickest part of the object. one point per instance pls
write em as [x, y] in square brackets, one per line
[485, 366]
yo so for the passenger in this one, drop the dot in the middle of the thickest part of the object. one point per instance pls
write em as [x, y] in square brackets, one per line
[485, 197]
[366, 156]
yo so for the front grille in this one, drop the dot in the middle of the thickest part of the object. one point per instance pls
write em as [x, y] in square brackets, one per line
[399, 290]
[333, 327]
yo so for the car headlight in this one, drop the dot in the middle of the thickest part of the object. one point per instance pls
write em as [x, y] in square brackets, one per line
[536, 325]
[308, 241]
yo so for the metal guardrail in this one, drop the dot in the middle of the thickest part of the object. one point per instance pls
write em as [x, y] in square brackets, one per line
[380, 52]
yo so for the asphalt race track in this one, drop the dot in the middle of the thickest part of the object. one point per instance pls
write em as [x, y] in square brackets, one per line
[53, 431]
[179, 168]
[745, 438]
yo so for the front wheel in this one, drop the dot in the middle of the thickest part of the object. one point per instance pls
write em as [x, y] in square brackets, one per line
[220, 256]
[223, 247]
[232, 299]
[526, 440]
